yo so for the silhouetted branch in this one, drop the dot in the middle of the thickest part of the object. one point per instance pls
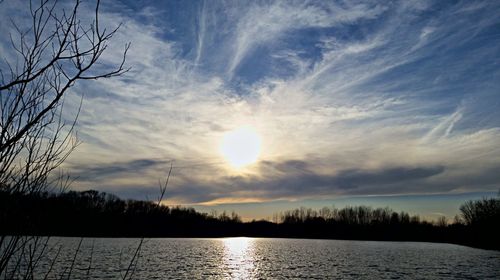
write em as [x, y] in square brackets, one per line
[163, 187]
[75, 255]
[51, 266]
[133, 262]
[51, 56]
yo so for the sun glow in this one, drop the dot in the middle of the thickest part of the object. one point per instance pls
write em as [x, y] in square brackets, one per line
[241, 147]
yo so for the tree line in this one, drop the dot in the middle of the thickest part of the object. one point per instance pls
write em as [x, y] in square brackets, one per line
[93, 213]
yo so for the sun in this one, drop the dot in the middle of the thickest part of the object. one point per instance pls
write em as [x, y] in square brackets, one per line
[241, 147]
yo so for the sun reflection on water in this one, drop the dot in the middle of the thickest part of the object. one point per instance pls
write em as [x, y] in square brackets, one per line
[239, 257]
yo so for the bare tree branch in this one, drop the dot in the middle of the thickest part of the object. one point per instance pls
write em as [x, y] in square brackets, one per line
[53, 54]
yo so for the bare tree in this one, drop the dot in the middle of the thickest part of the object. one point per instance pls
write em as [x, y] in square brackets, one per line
[442, 221]
[31, 96]
[52, 55]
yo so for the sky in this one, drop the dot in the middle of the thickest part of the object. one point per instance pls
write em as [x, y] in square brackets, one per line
[381, 103]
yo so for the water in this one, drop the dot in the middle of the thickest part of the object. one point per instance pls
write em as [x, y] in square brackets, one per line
[267, 258]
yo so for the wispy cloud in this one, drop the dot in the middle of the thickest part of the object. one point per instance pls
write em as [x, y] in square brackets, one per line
[349, 99]
[267, 24]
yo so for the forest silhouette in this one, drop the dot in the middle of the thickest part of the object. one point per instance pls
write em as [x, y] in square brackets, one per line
[98, 214]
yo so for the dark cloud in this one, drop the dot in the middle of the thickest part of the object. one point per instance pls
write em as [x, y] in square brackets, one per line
[115, 169]
[294, 179]
[291, 179]
[356, 178]
[286, 166]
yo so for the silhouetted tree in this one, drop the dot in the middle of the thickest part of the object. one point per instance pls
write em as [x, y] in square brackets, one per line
[484, 211]
[442, 221]
[93, 213]
[53, 54]
[482, 218]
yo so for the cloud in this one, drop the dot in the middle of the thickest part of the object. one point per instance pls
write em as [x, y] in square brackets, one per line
[349, 99]
[258, 26]
[97, 171]
[444, 128]
[296, 179]
[357, 178]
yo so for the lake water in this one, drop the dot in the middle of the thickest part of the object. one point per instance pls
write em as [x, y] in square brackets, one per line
[267, 258]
